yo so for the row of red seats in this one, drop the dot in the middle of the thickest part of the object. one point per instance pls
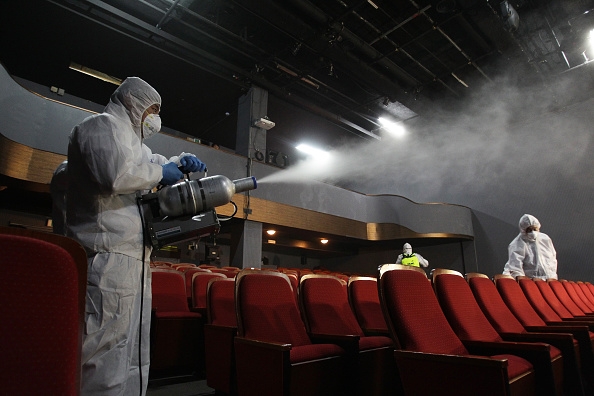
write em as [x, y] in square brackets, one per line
[550, 364]
[457, 318]
[178, 317]
[264, 341]
[174, 354]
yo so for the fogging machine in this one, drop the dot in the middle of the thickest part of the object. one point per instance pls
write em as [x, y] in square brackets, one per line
[186, 210]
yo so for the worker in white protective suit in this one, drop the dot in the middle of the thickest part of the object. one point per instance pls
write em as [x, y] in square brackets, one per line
[532, 252]
[409, 258]
[108, 164]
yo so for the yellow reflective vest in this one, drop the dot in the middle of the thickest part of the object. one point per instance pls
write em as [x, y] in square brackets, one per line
[411, 260]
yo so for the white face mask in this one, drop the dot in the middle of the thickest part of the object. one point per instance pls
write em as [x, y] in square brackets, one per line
[407, 251]
[151, 125]
[532, 235]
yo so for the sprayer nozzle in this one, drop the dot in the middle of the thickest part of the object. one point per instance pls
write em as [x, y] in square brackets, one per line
[245, 184]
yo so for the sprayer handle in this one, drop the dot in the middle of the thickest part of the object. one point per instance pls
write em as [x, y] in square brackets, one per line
[187, 175]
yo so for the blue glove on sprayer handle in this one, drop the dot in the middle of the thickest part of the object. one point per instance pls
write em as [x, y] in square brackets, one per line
[190, 163]
[171, 174]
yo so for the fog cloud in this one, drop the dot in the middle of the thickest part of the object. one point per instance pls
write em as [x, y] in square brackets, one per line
[503, 136]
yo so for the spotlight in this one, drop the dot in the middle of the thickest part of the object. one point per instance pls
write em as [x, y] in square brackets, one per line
[511, 19]
[314, 152]
[323, 241]
[271, 232]
[393, 128]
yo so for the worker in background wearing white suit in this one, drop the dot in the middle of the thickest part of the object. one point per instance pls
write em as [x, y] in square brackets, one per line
[531, 253]
[409, 258]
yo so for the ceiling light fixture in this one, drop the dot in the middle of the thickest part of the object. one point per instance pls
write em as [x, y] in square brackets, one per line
[94, 73]
[323, 241]
[271, 232]
[314, 152]
[591, 40]
[396, 129]
[373, 4]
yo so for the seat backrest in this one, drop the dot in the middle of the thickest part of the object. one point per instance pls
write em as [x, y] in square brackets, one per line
[365, 303]
[590, 287]
[42, 300]
[515, 299]
[188, 275]
[183, 266]
[587, 292]
[325, 306]
[266, 308]
[568, 297]
[229, 273]
[220, 302]
[461, 309]
[169, 291]
[199, 284]
[579, 292]
[294, 279]
[551, 298]
[413, 315]
[540, 305]
[567, 302]
[493, 306]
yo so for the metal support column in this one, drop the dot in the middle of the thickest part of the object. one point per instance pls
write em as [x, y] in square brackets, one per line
[251, 140]
[246, 245]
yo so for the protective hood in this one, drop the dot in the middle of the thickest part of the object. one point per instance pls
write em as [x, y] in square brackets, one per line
[131, 99]
[407, 248]
[527, 221]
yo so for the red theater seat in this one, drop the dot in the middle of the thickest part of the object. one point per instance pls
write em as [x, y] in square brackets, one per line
[199, 284]
[219, 335]
[176, 333]
[274, 354]
[517, 301]
[42, 299]
[364, 300]
[426, 343]
[510, 329]
[326, 310]
[470, 324]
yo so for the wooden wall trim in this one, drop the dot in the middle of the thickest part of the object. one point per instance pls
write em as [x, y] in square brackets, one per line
[26, 163]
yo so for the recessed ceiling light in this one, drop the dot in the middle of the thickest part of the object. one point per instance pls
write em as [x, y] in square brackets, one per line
[271, 232]
[323, 241]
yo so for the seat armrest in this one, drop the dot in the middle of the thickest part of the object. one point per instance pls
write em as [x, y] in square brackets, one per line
[262, 344]
[548, 338]
[348, 342]
[588, 326]
[344, 340]
[376, 332]
[493, 348]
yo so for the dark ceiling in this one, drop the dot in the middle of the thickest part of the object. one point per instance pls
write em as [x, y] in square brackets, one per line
[344, 61]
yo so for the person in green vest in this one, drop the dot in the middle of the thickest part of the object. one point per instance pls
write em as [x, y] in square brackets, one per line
[409, 258]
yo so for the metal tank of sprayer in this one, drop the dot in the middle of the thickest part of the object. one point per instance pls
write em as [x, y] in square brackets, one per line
[191, 197]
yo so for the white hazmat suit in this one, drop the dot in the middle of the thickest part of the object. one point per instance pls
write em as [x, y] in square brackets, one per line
[107, 165]
[531, 254]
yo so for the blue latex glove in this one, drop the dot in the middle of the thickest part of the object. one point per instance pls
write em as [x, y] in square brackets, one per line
[171, 174]
[189, 163]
